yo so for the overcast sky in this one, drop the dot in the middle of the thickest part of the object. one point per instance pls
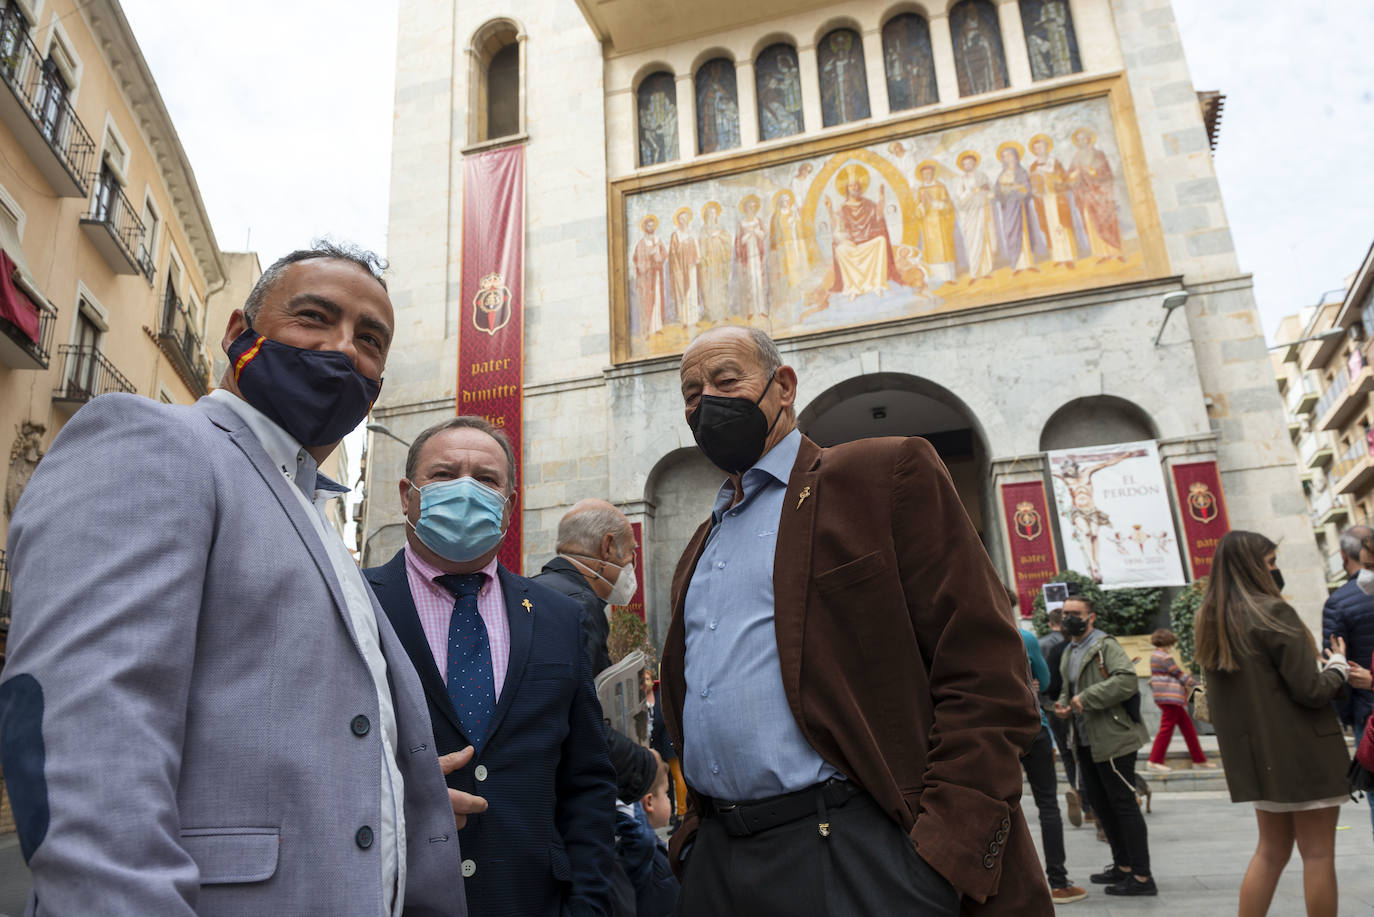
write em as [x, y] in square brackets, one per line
[284, 108]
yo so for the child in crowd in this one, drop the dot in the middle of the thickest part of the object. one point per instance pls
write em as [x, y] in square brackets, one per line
[1171, 687]
[640, 853]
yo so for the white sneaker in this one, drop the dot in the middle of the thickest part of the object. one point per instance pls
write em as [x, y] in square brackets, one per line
[1158, 768]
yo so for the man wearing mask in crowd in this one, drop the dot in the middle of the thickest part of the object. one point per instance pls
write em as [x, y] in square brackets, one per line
[204, 710]
[595, 567]
[1349, 614]
[1099, 682]
[501, 663]
[839, 674]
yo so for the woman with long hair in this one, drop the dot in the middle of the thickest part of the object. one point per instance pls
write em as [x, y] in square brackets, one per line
[1270, 695]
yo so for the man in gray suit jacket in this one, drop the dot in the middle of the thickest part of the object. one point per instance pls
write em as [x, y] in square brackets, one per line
[204, 710]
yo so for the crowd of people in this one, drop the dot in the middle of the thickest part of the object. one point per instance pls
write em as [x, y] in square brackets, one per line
[209, 708]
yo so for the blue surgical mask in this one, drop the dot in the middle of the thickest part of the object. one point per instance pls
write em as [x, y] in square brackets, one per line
[460, 520]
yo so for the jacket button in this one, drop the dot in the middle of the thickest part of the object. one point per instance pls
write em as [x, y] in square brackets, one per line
[360, 725]
[1001, 836]
[994, 847]
[364, 837]
[1006, 825]
[989, 861]
[469, 869]
[480, 772]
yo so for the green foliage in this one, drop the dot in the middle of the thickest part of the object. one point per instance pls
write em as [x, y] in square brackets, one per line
[628, 634]
[1182, 611]
[1120, 612]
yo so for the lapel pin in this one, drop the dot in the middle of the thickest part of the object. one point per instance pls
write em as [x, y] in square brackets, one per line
[801, 498]
[529, 609]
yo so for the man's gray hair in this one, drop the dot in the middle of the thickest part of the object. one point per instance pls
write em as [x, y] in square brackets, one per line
[769, 358]
[463, 422]
[1352, 539]
[581, 532]
[373, 263]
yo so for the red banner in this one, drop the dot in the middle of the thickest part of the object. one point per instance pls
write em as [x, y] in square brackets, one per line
[1028, 533]
[491, 303]
[1200, 503]
[637, 601]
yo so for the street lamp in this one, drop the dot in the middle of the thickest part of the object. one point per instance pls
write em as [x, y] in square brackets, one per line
[381, 430]
[1171, 302]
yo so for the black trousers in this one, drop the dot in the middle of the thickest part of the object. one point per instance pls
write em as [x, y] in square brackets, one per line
[1060, 730]
[1039, 767]
[867, 866]
[1110, 786]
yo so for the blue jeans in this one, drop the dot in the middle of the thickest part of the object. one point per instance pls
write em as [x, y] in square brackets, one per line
[1359, 734]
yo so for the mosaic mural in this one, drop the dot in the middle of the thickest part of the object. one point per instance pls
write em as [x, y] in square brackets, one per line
[844, 84]
[1027, 204]
[778, 84]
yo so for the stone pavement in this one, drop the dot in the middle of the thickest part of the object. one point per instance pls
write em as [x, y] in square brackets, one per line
[1200, 844]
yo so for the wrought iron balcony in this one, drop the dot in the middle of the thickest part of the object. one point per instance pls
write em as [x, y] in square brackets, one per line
[86, 373]
[182, 345]
[17, 351]
[37, 111]
[113, 228]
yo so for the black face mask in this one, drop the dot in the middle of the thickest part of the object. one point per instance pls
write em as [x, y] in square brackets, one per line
[1074, 627]
[1278, 578]
[315, 395]
[731, 432]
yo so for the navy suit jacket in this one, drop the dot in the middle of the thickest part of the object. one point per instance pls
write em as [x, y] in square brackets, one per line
[543, 848]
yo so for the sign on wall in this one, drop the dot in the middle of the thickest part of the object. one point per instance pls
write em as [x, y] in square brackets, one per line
[491, 330]
[886, 224]
[1203, 510]
[1114, 515]
[1030, 540]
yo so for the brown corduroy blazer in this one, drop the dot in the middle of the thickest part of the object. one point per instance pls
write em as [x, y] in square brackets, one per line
[900, 663]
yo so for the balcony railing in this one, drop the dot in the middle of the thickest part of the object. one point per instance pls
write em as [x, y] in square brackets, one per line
[86, 373]
[35, 97]
[1302, 394]
[4, 593]
[1334, 392]
[17, 351]
[182, 344]
[114, 228]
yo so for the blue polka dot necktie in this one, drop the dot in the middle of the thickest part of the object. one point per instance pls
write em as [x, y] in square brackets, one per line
[471, 685]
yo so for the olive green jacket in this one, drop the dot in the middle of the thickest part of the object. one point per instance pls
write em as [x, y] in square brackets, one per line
[1110, 730]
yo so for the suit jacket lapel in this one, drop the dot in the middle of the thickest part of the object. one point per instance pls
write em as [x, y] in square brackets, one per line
[392, 586]
[247, 442]
[515, 590]
[792, 568]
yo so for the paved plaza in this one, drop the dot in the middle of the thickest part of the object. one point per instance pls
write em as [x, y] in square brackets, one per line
[1199, 843]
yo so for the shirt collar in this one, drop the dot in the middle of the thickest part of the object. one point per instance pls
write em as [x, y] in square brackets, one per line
[281, 447]
[430, 572]
[776, 463]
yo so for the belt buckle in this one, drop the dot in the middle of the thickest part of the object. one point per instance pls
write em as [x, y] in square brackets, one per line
[727, 807]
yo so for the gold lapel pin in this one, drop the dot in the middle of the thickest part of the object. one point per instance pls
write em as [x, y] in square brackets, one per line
[529, 609]
[801, 498]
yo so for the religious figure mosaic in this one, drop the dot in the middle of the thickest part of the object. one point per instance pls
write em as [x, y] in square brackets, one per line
[1050, 39]
[844, 83]
[717, 106]
[979, 60]
[657, 108]
[777, 80]
[909, 63]
[1026, 204]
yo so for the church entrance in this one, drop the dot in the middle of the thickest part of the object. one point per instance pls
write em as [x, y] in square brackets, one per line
[895, 404]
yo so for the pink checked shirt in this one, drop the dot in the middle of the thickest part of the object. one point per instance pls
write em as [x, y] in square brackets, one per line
[434, 604]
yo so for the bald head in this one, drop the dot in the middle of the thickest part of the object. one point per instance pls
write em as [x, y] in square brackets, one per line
[584, 529]
[766, 352]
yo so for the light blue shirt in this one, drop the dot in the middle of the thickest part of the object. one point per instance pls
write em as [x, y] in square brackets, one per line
[741, 742]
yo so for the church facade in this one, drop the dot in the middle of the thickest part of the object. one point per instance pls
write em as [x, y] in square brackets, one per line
[992, 224]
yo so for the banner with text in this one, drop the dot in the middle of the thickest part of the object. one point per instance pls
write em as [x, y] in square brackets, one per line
[1028, 534]
[1203, 510]
[491, 304]
[637, 601]
[1114, 515]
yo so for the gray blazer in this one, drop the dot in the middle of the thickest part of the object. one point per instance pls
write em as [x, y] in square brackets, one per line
[186, 722]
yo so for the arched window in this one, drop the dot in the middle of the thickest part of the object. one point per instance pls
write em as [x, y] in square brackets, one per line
[844, 83]
[495, 107]
[978, 55]
[717, 106]
[657, 110]
[777, 82]
[909, 63]
[1050, 40]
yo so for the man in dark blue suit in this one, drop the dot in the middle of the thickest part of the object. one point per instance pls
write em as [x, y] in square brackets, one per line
[501, 663]
[1349, 614]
